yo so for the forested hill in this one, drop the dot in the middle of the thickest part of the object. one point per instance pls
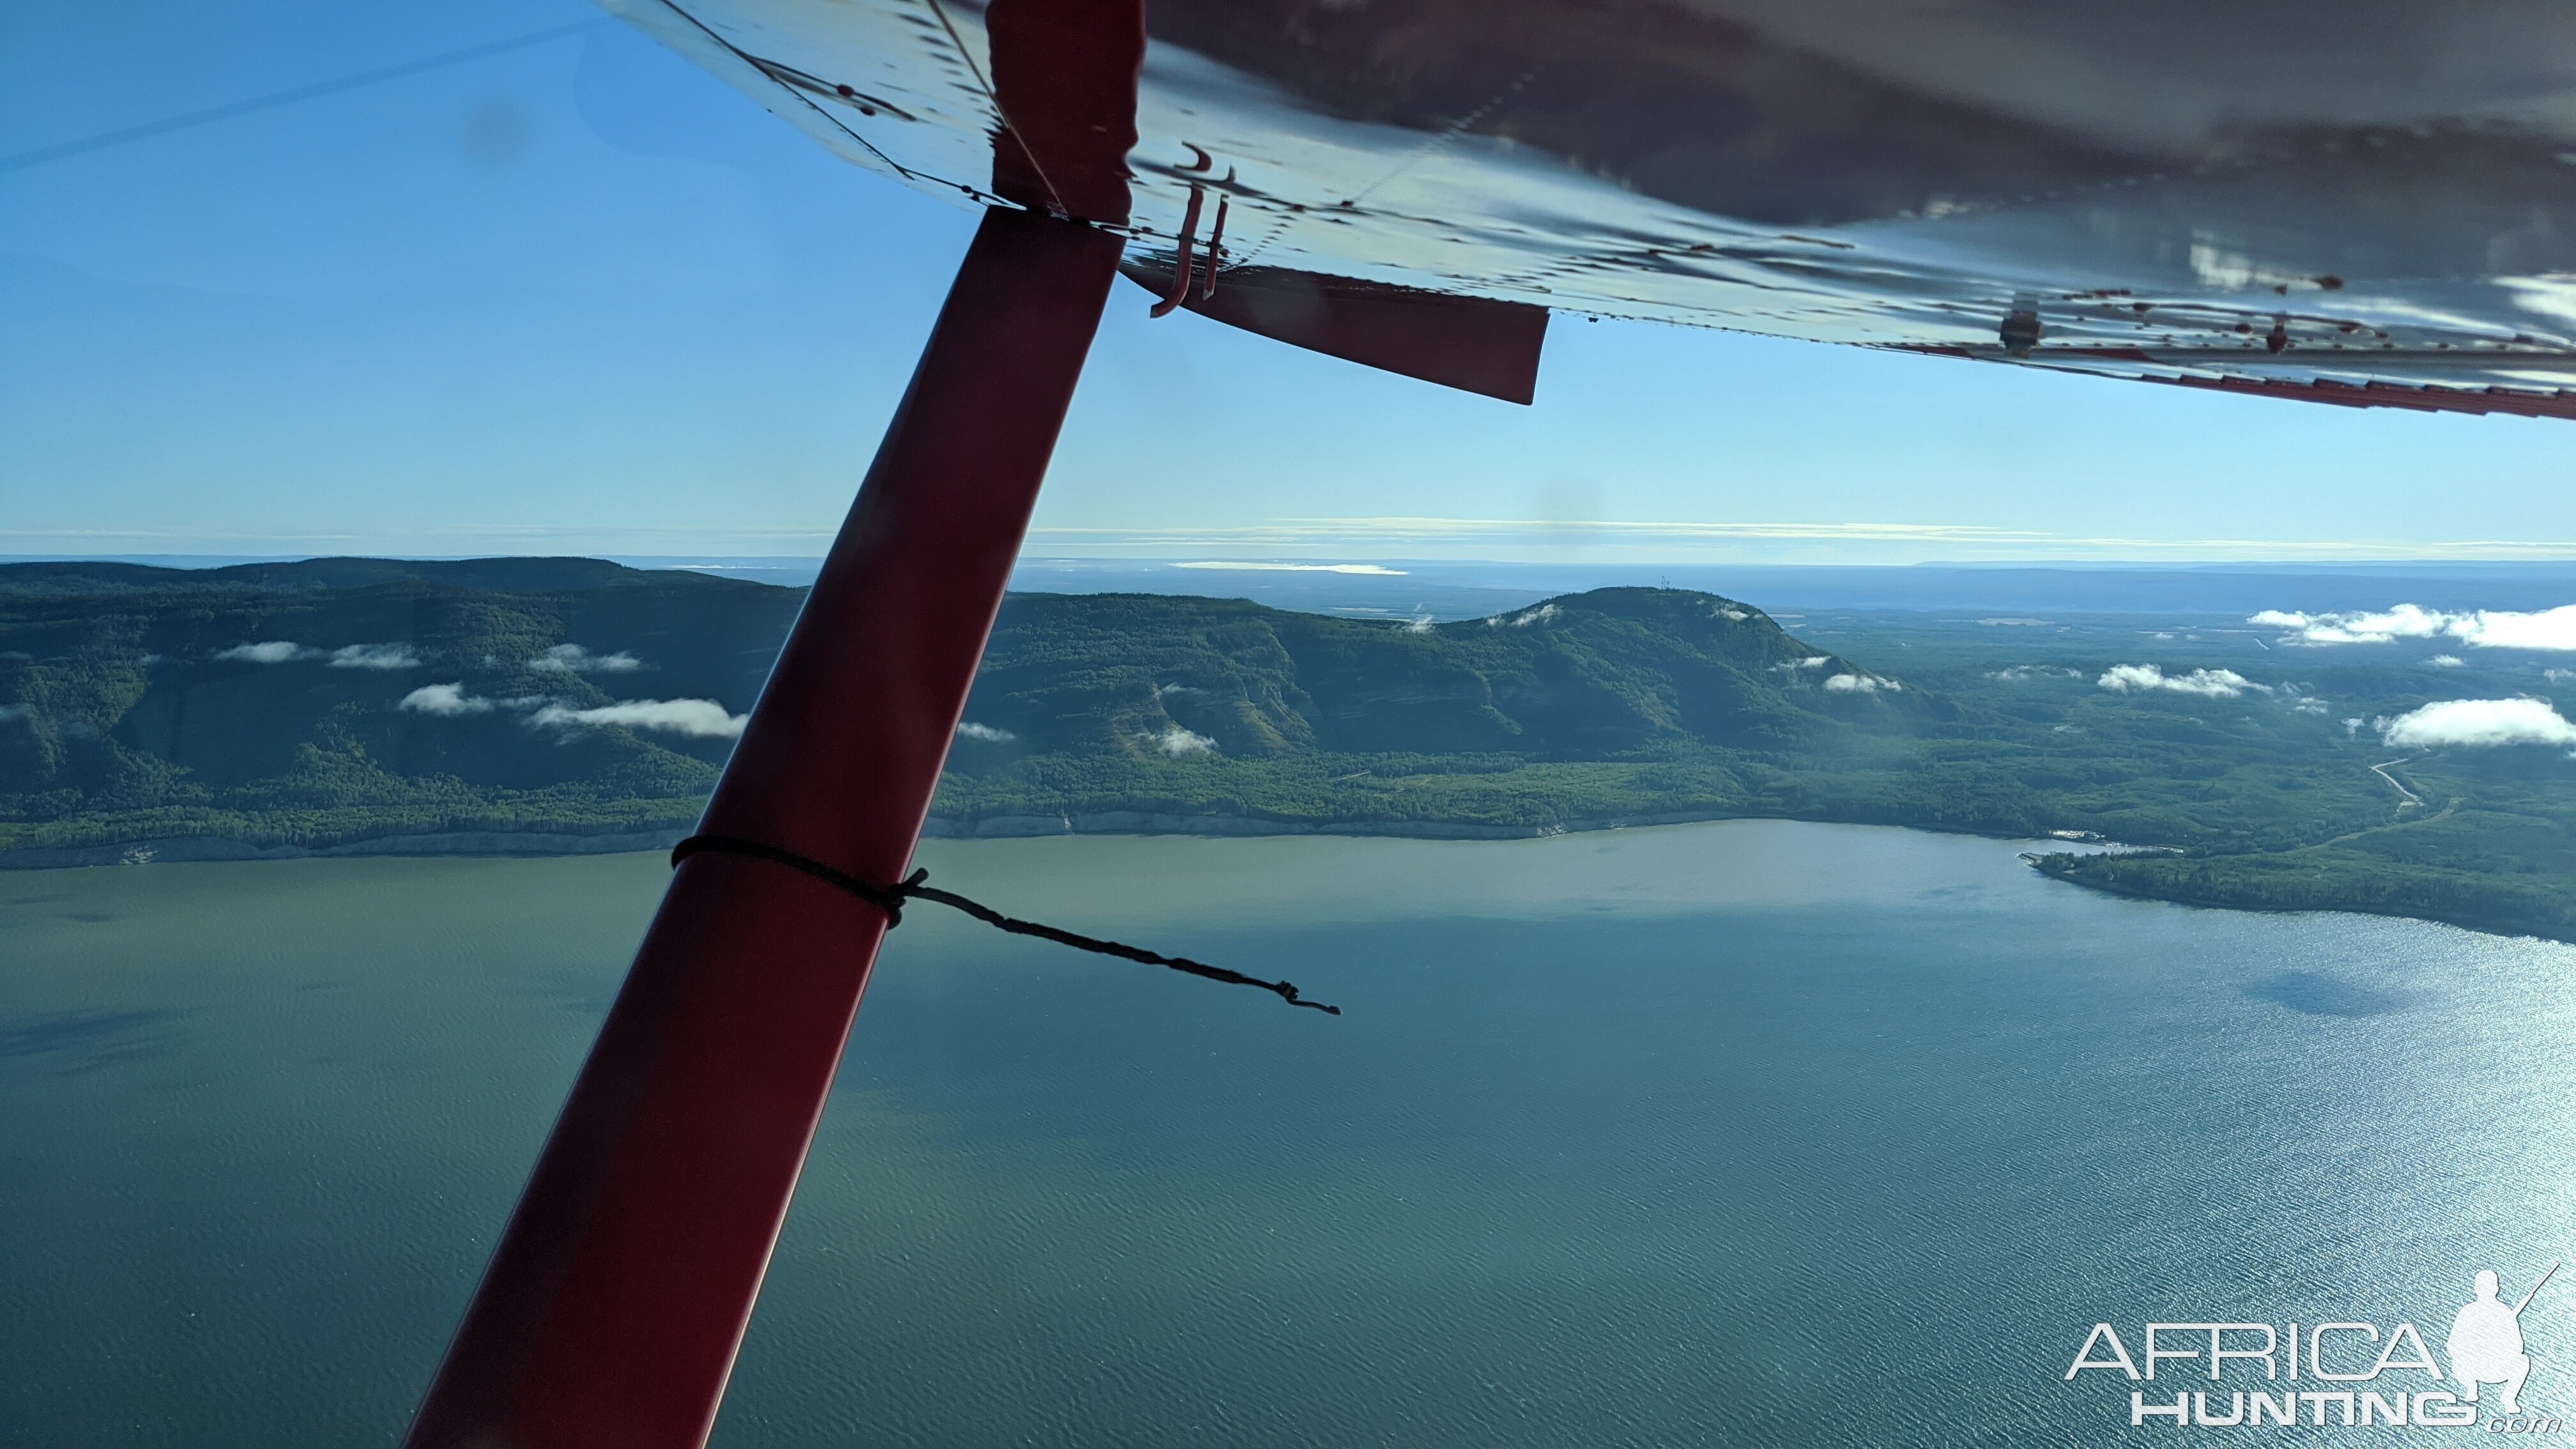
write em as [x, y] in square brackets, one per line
[1593, 676]
[284, 704]
[549, 704]
[315, 703]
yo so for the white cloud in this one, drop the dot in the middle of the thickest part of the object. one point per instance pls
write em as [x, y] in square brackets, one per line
[1379, 570]
[1862, 684]
[2406, 621]
[445, 700]
[275, 651]
[1526, 617]
[1421, 624]
[2210, 683]
[2552, 629]
[2496, 629]
[2445, 661]
[2310, 705]
[702, 718]
[985, 732]
[2020, 672]
[1738, 615]
[354, 656]
[1176, 742]
[573, 659]
[2558, 676]
[1171, 689]
[2479, 723]
[375, 656]
[2352, 726]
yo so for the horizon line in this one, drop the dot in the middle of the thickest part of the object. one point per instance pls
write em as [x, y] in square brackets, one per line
[1336, 564]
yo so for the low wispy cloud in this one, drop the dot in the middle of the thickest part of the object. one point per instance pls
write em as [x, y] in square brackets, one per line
[2478, 723]
[2548, 629]
[375, 656]
[275, 651]
[1421, 624]
[1525, 618]
[2445, 661]
[573, 659]
[698, 718]
[2020, 672]
[1178, 742]
[444, 700]
[2207, 683]
[2406, 621]
[1812, 661]
[987, 733]
[1862, 684]
[701, 718]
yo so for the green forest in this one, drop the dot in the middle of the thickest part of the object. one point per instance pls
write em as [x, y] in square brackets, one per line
[327, 704]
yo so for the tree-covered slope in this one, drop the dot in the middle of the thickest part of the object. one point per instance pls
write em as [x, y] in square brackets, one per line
[320, 704]
[267, 703]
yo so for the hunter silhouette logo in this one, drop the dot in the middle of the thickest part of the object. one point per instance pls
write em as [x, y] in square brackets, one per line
[2364, 1376]
[2486, 1342]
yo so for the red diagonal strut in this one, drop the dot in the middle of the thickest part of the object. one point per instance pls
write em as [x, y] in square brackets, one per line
[618, 1296]
[614, 1304]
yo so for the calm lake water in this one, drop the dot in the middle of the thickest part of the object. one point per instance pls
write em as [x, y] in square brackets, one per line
[1750, 1133]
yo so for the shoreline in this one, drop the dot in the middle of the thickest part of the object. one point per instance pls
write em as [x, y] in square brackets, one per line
[1146, 822]
[493, 844]
[186, 849]
[195, 848]
[2465, 920]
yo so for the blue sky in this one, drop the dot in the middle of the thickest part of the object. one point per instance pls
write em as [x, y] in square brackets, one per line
[581, 297]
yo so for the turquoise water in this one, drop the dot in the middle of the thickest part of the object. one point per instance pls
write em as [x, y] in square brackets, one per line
[1750, 1133]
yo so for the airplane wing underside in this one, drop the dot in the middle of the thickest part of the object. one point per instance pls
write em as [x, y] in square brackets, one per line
[2374, 205]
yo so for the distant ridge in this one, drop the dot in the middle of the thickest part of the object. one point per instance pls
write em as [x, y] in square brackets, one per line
[513, 574]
